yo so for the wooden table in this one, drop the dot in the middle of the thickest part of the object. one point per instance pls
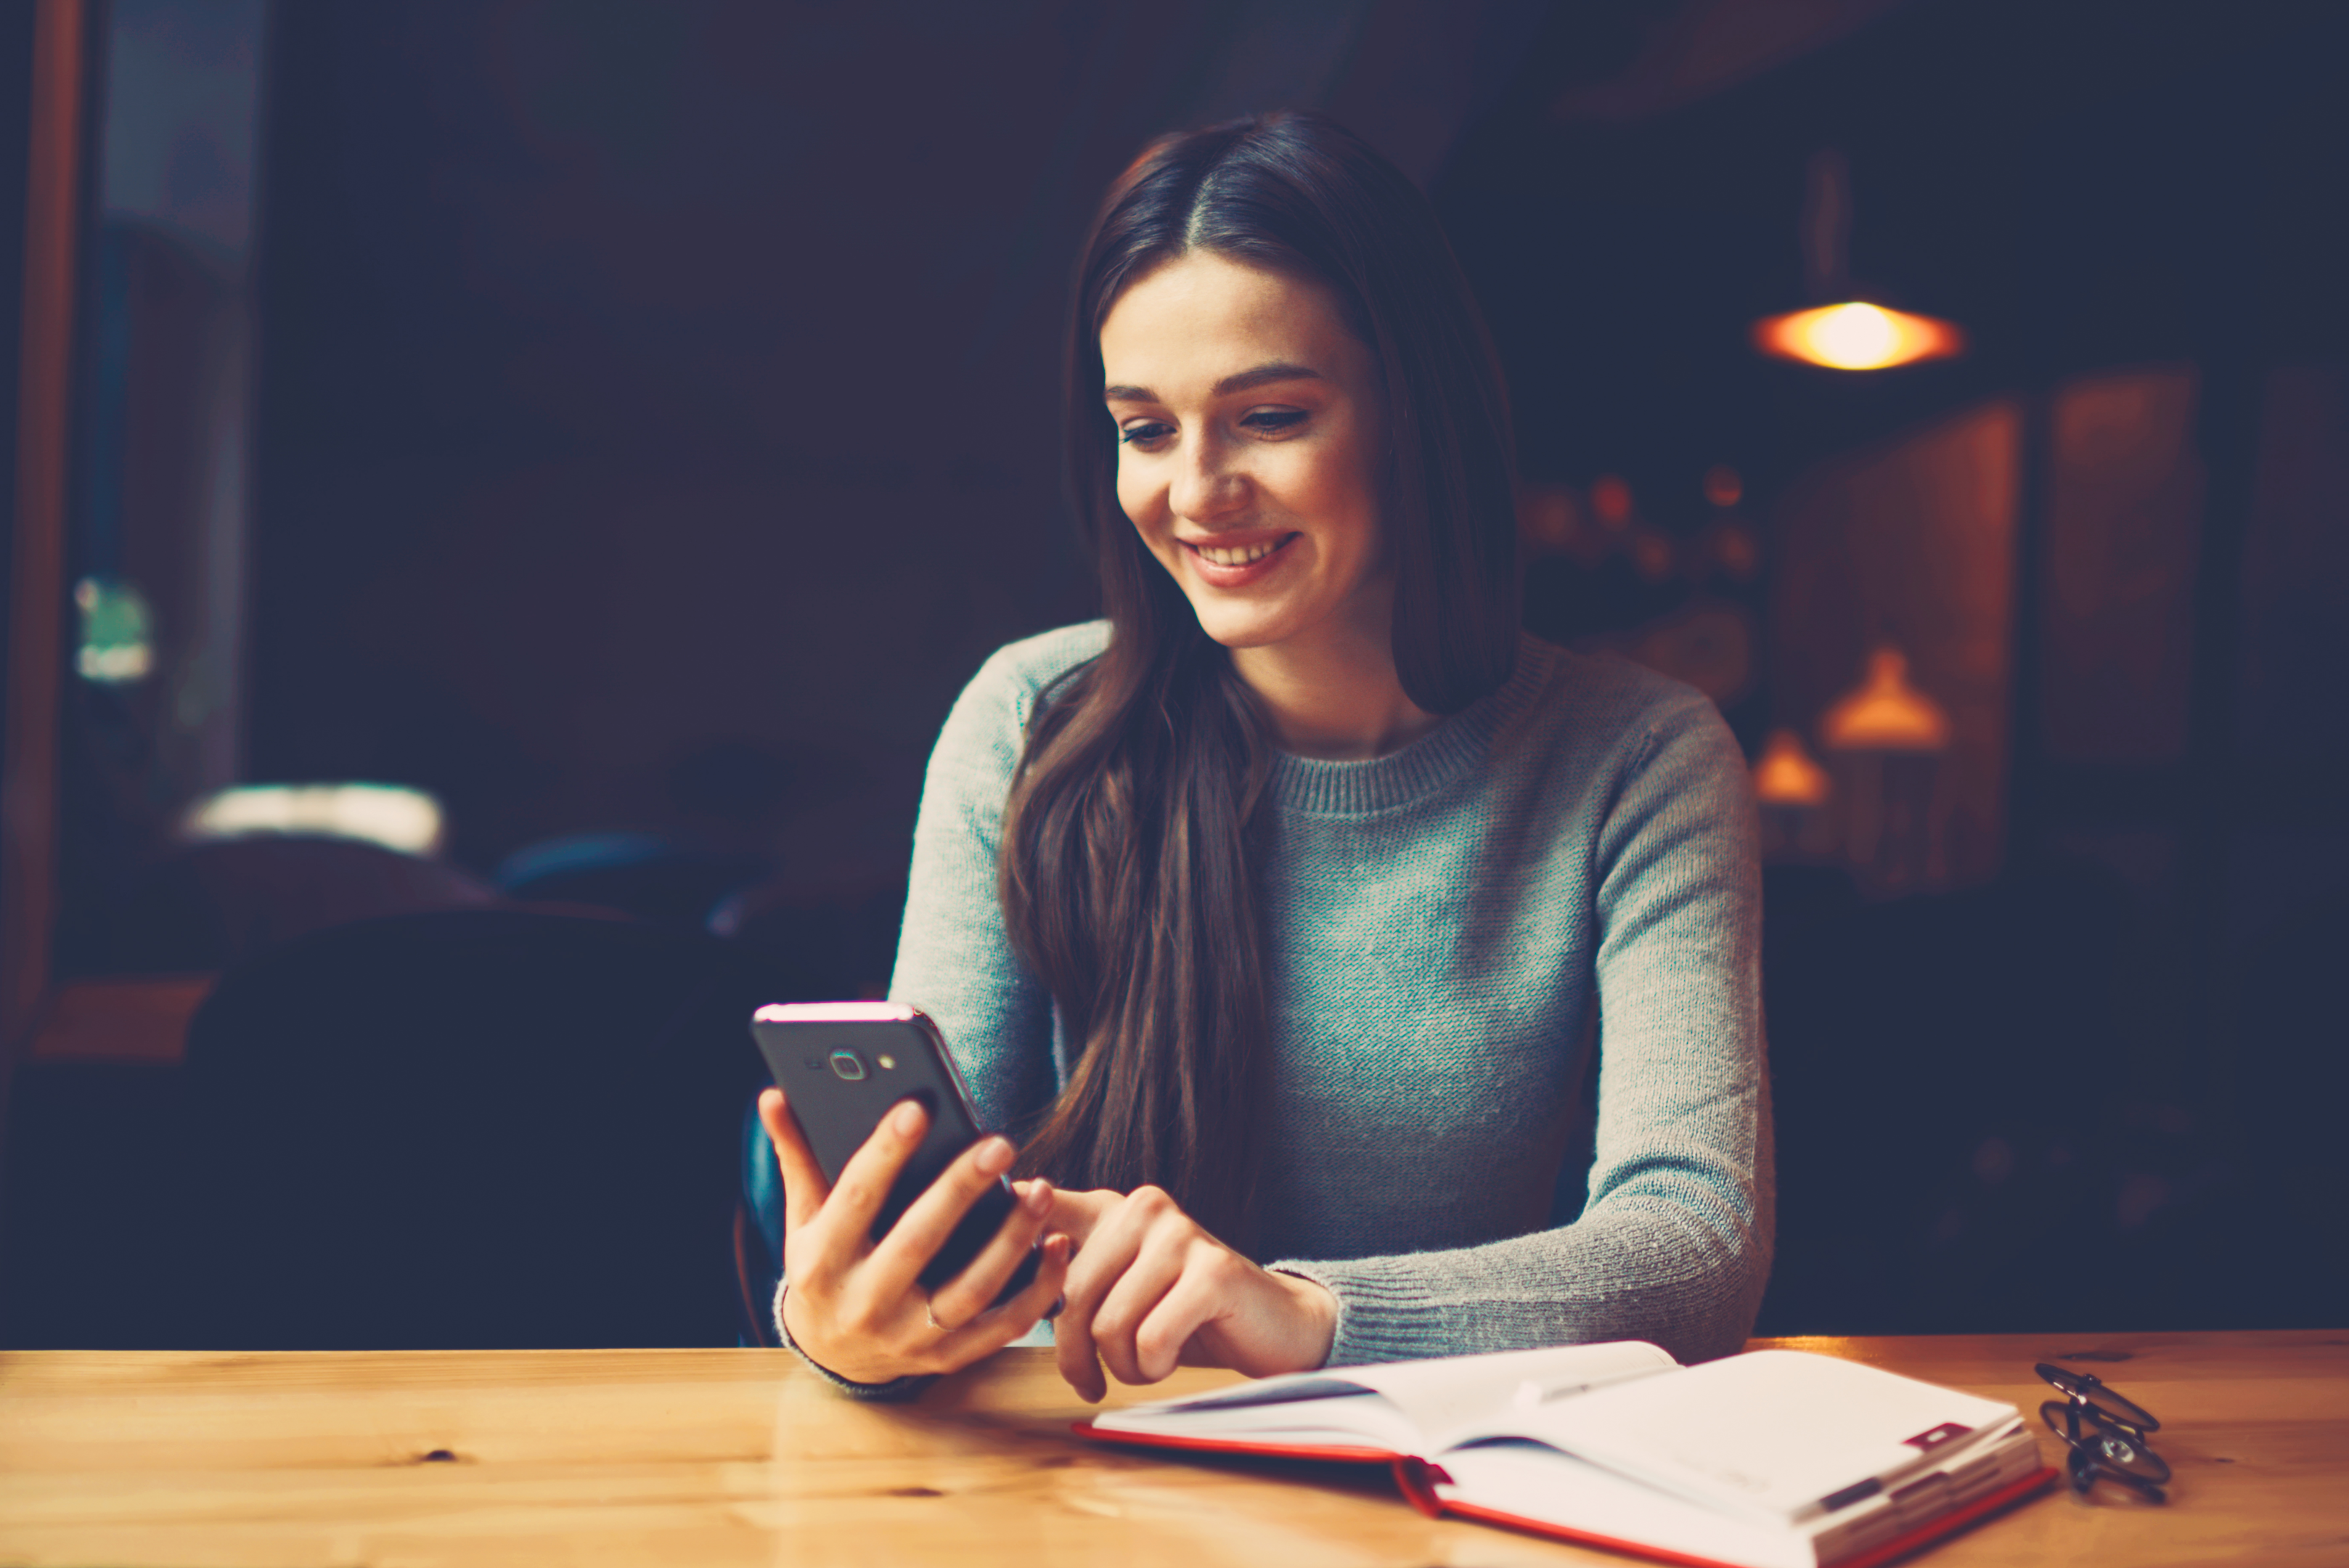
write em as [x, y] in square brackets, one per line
[714, 1457]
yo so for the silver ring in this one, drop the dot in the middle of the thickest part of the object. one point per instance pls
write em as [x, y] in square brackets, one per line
[932, 1315]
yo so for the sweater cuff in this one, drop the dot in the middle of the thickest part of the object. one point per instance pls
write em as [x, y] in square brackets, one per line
[894, 1391]
[1383, 1313]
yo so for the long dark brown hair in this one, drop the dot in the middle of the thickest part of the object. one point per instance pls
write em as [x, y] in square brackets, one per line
[1126, 876]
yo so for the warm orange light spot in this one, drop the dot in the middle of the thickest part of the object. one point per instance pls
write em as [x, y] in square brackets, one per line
[1785, 775]
[1856, 336]
[1723, 487]
[1611, 499]
[1885, 713]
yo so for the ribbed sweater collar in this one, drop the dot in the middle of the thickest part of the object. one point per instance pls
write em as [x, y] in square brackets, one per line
[1445, 754]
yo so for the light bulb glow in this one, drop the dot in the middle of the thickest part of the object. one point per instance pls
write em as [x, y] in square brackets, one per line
[1856, 336]
[398, 817]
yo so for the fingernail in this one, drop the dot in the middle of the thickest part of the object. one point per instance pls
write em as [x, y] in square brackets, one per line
[1039, 1195]
[994, 1157]
[907, 1119]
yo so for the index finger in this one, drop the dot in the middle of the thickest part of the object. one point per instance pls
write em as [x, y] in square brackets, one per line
[805, 1188]
[1093, 1273]
[1077, 1213]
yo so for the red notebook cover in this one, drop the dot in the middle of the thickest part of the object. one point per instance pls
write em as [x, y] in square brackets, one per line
[1416, 1479]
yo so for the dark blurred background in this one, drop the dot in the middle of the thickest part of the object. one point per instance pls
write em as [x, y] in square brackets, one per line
[628, 423]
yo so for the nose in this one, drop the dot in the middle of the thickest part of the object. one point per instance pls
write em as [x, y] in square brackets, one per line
[1208, 484]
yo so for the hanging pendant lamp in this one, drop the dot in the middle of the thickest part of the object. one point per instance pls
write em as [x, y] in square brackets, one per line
[1851, 334]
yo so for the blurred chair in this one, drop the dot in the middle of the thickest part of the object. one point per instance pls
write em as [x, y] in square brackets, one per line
[214, 904]
[474, 1129]
[652, 876]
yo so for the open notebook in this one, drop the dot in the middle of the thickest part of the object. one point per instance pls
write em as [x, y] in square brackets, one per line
[1776, 1459]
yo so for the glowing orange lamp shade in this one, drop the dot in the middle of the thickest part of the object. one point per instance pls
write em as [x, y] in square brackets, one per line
[1784, 775]
[1856, 336]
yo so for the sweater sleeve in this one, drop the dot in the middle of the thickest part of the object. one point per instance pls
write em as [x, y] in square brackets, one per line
[955, 959]
[1673, 1243]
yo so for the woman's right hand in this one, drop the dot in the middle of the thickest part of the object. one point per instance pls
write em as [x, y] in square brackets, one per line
[853, 1305]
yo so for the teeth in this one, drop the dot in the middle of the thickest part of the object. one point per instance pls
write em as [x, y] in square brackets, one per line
[1239, 557]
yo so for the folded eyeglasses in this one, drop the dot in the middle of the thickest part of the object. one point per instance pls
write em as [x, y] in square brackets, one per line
[2105, 1433]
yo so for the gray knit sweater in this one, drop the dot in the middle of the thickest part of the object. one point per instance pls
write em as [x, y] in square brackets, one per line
[1567, 866]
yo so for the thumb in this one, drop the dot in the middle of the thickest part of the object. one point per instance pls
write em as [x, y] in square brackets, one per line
[805, 1188]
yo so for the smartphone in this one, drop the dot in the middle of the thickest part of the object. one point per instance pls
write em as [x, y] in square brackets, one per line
[842, 1066]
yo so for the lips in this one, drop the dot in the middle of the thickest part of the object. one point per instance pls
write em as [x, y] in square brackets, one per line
[1238, 556]
[1231, 566]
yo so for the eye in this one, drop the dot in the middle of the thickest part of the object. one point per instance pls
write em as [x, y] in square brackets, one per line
[1273, 422]
[1144, 433]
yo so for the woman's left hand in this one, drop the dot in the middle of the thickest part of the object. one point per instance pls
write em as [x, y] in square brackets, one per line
[1150, 1290]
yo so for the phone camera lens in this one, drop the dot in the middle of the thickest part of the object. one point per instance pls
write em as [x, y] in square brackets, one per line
[848, 1064]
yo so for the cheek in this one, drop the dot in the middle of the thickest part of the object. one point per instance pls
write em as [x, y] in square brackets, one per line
[1133, 494]
[1336, 488]
[1329, 478]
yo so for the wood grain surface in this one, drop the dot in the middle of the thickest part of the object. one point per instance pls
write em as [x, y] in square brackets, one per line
[723, 1456]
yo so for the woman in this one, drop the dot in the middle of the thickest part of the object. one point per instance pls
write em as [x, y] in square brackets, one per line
[1281, 912]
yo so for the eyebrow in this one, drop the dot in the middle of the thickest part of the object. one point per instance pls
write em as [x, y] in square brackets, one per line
[1239, 382]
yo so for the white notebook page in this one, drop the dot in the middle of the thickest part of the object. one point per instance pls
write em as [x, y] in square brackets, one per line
[1769, 1433]
[1408, 1406]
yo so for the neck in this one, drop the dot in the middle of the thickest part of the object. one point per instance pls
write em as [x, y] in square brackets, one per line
[1338, 699]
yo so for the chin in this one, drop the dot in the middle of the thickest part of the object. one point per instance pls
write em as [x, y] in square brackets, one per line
[1240, 632]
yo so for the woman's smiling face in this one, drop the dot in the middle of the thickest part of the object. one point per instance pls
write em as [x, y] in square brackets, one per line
[1249, 417]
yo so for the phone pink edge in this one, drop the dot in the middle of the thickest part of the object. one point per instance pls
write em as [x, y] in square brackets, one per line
[836, 1012]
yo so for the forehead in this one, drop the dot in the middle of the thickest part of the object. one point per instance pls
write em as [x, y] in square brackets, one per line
[1204, 316]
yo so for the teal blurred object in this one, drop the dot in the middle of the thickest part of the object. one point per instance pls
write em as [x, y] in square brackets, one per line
[670, 881]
